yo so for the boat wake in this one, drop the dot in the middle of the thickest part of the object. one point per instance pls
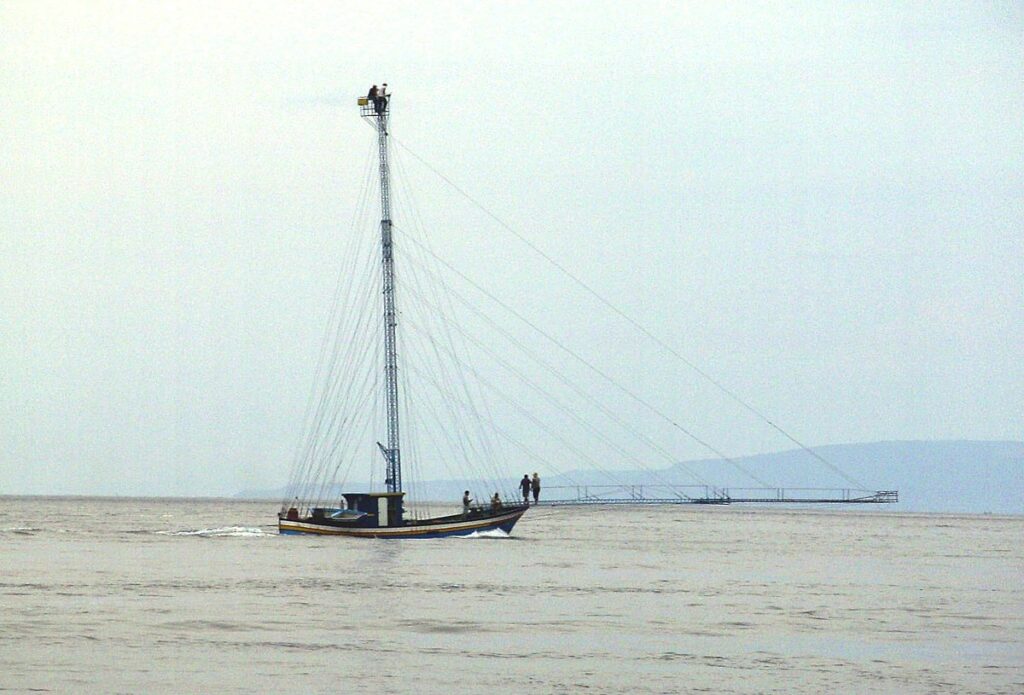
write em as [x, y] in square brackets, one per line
[225, 531]
[21, 530]
[493, 533]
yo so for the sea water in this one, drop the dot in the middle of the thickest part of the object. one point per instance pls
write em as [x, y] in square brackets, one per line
[203, 596]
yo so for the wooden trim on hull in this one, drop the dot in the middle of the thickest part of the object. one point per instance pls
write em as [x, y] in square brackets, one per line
[504, 522]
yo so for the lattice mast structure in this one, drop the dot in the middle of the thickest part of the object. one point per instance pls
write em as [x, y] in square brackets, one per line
[378, 110]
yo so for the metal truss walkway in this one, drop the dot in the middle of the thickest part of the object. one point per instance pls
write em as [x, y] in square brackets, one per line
[567, 495]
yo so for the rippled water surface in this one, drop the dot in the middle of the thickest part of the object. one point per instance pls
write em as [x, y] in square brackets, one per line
[173, 596]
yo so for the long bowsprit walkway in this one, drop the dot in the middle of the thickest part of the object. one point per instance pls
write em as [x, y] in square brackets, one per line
[566, 495]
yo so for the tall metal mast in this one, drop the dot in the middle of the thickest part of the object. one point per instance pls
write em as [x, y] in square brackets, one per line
[378, 109]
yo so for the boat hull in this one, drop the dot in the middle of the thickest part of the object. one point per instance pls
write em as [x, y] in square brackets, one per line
[444, 527]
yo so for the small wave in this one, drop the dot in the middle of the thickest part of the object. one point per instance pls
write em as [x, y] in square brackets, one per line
[24, 530]
[224, 531]
[492, 533]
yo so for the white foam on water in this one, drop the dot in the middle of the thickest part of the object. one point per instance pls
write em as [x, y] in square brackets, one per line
[20, 529]
[492, 533]
[225, 531]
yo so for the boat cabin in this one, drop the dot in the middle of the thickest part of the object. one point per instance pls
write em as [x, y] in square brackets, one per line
[371, 509]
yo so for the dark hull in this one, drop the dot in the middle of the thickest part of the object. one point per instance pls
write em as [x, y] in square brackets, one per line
[440, 527]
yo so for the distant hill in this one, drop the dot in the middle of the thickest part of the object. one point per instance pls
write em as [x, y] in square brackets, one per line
[931, 476]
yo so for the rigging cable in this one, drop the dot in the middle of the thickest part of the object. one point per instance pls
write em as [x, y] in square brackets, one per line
[636, 324]
[604, 376]
[482, 446]
[304, 453]
[504, 434]
[571, 413]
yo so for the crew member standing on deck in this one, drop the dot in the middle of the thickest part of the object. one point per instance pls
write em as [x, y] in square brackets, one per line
[524, 485]
[466, 501]
[535, 486]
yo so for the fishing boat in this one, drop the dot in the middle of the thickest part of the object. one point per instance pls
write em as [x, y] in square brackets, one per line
[317, 507]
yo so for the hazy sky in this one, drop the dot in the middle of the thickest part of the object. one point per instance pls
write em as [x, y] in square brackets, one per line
[820, 204]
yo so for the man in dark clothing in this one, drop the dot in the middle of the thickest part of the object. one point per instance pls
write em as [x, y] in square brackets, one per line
[376, 97]
[524, 485]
